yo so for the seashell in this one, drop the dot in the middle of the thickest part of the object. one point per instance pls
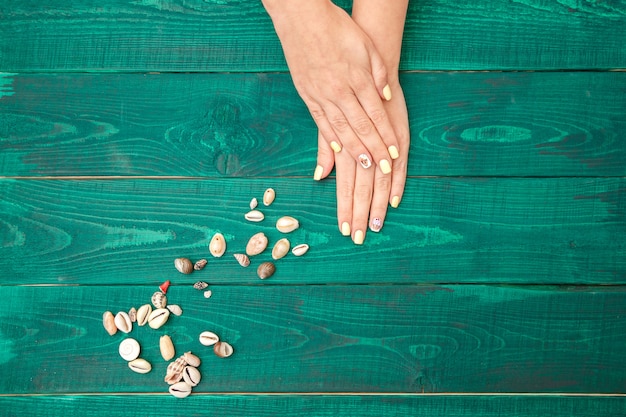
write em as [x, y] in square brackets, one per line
[143, 313]
[198, 266]
[269, 196]
[222, 349]
[159, 300]
[217, 247]
[300, 249]
[129, 349]
[191, 375]
[287, 224]
[122, 322]
[281, 248]
[108, 321]
[174, 372]
[253, 203]
[254, 216]
[208, 294]
[132, 314]
[180, 389]
[200, 285]
[243, 259]
[191, 359]
[141, 366]
[158, 317]
[209, 338]
[163, 287]
[266, 270]
[175, 309]
[256, 244]
[183, 265]
[166, 346]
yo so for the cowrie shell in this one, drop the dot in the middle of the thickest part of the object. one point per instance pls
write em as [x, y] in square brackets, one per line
[217, 246]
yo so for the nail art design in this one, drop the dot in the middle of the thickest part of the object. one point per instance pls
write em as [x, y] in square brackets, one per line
[364, 160]
[376, 224]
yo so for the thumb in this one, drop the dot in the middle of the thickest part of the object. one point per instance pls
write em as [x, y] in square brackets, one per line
[379, 73]
[325, 158]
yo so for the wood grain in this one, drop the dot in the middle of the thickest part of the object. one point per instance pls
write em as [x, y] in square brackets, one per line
[240, 125]
[233, 36]
[525, 230]
[316, 406]
[328, 338]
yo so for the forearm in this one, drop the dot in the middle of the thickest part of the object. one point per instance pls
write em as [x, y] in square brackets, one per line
[383, 21]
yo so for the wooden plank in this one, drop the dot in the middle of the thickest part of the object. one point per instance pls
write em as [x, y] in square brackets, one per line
[328, 338]
[314, 406]
[525, 230]
[469, 124]
[177, 35]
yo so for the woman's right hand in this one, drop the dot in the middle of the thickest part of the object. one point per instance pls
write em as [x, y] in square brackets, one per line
[340, 76]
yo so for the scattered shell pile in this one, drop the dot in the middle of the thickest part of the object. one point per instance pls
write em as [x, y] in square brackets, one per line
[181, 374]
[256, 245]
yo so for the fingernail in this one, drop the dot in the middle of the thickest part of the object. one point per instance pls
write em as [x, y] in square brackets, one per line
[376, 224]
[393, 152]
[364, 160]
[359, 237]
[395, 201]
[336, 147]
[387, 92]
[385, 167]
[317, 175]
[345, 229]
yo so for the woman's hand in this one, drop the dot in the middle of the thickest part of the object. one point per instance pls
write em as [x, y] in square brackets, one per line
[364, 195]
[340, 76]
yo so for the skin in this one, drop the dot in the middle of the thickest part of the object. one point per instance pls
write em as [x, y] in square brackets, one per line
[341, 66]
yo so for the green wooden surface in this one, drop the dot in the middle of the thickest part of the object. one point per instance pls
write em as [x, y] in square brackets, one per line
[477, 124]
[502, 272]
[322, 339]
[524, 230]
[314, 406]
[178, 35]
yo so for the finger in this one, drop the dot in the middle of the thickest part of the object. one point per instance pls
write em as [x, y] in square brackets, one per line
[363, 192]
[380, 200]
[398, 114]
[379, 73]
[323, 125]
[325, 158]
[345, 171]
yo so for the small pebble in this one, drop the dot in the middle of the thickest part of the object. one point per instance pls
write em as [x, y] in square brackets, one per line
[208, 294]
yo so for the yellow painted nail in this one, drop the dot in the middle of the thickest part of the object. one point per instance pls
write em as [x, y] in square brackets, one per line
[336, 147]
[393, 152]
[317, 175]
[387, 92]
[385, 167]
[345, 229]
[359, 237]
[395, 201]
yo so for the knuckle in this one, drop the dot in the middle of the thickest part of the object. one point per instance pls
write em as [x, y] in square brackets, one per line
[383, 183]
[317, 113]
[362, 127]
[378, 116]
[339, 123]
[345, 190]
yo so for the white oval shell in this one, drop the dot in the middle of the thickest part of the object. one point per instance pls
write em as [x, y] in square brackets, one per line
[287, 224]
[269, 196]
[208, 338]
[281, 248]
[108, 321]
[141, 366]
[166, 346]
[175, 309]
[158, 317]
[222, 349]
[300, 249]
[191, 375]
[254, 216]
[180, 389]
[253, 203]
[129, 349]
[122, 322]
[217, 247]
[143, 313]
